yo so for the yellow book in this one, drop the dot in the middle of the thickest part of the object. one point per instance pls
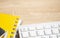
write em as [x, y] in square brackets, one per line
[9, 23]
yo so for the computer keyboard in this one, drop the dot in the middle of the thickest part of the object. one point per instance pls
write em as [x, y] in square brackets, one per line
[41, 30]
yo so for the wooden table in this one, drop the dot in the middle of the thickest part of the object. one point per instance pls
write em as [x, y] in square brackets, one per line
[32, 11]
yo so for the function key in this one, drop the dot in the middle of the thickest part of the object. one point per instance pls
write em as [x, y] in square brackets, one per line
[55, 26]
[39, 27]
[32, 28]
[24, 29]
[47, 26]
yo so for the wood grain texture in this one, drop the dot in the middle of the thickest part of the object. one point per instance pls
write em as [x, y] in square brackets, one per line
[32, 11]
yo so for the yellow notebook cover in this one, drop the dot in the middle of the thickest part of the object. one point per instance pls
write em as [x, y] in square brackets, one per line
[9, 23]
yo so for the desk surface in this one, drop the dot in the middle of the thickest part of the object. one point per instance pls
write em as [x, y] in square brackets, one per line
[32, 11]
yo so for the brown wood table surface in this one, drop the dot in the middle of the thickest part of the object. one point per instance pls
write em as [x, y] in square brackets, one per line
[32, 11]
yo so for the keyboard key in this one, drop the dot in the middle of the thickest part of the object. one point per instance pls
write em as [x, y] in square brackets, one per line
[55, 25]
[47, 26]
[48, 31]
[35, 37]
[38, 37]
[58, 25]
[40, 32]
[25, 34]
[45, 36]
[32, 33]
[32, 28]
[59, 36]
[32, 37]
[55, 31]
[24, 29]
[39, 27]
[53, 36]
[59, 30]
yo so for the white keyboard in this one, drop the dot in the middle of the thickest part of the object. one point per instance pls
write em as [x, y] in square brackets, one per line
[42, 30]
